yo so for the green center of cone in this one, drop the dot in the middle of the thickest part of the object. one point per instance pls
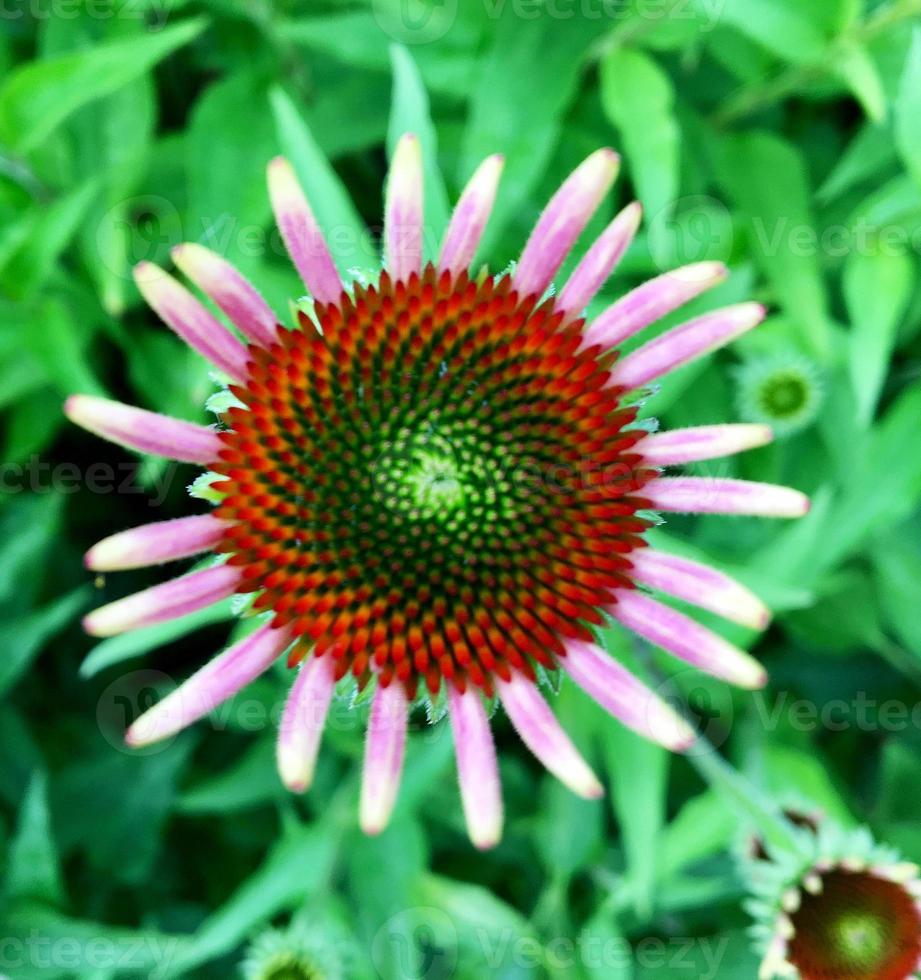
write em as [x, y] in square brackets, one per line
[861, 938]
[784, 395]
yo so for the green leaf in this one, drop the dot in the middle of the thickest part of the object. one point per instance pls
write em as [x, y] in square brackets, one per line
[607, 954]
[117, 804]
[699, 830]
[719, 956]
[767, 178]
[28, 268]
[500, 937]
[251, 781]
[559, 810]
[29, 525]
[897, 570]
[908, 110]
[345, 232]
[797, 774]
[638, 770]
[83, 942]
[526, 79]
[59, 343]
[868, 154]
[878, 285]
[32, 868]
[229, 141]
[410, 114]
[638, 97]
[297, 867]
[24, 636]
[38, 97]
[854, 65]
[784, 27]
[884, 485]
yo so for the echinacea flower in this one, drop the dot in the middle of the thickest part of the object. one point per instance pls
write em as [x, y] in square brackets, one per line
[783, 391]
[304, 950]
[842, 908]
[436, 483]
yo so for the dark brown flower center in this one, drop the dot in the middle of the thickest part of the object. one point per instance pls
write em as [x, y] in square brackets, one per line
[434, 482]
[860, 927]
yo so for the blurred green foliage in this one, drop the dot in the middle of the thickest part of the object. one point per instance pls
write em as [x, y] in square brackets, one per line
[782, 137]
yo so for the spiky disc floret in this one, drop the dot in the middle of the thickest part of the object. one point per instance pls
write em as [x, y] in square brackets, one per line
[430, 480]
[842, 908]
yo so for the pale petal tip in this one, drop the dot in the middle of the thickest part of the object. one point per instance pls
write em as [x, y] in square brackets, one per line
[372, 824]
[760, 435]
[72, 406]
[86, 410]
[151, 280]
[278, 165]
[754, 614]
[492, 168]
[753, 679]
[188, 255]
[684, 743]
[591, 789]
[144, 731]
[146, 273]
[407, 160]
[669, 729]
[293, 774]
[753, 311]
[791, 503]
[634, 213]
[486, 841]
[710, 273]
[135, 739]
[602, 167]
[282, 181]
[95, 624]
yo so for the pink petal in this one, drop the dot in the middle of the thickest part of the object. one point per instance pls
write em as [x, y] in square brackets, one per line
[403, 210]
[710, 495]
[651, 301]
[563, 220]
[470, 216]
[188, 319]
[153, 544]
[230, 290]
[146, 432]
[217, 681]
[384, 751]
[686, 639]
[303, 721]
[701, 442]
[599, 262]
[301, 233]
[541, 732]
[686, 343]
[477, 768]
[170, 600]
[700, 585]
[624, 696]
